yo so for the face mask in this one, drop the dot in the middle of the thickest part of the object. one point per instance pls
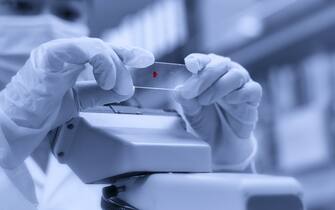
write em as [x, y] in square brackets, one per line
[20, 34]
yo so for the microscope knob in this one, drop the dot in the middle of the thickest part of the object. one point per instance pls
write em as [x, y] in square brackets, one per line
[112, 191]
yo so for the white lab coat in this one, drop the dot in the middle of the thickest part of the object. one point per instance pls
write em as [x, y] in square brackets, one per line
[60, 189]
[57, 189]
[19, 181]
[10, 196]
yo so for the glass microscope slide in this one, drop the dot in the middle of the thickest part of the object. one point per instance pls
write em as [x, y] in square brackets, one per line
[160, 76]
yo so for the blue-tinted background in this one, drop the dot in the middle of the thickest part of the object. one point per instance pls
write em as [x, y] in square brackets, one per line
[287, 45]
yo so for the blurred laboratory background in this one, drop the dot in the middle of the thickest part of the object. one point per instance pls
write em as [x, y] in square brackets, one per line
[288, 46]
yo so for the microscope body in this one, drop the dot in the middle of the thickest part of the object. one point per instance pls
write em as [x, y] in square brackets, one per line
[160, 166]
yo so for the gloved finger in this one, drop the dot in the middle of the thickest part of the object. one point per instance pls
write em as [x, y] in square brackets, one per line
[88, 94]
[242, 130]
[80, 51]
[134, 56]
[104, 70]
[250, 93]
[244, 113]
[190, 106]
[124, 83]
[195, 62]
[53, 56]
[73, 51]
[229, 82]
[241, 69]
[109, 71]
[197, 84]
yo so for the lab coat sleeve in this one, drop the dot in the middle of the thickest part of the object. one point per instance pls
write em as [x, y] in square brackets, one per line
[11, 194]
[229, 152]
[17, 142]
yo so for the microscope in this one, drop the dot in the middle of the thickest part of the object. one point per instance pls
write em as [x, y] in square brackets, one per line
[149, 161]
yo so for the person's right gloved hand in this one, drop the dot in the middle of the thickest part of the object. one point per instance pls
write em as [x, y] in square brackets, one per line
[220, 103]
[41, 96]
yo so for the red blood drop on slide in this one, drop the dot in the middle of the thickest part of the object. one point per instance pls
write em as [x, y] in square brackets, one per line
[154, 74]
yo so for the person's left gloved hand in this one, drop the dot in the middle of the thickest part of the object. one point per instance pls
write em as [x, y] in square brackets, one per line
[220, 103]
[44, 93]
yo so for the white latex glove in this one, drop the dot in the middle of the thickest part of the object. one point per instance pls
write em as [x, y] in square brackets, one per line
[41, 97]
[220, 103]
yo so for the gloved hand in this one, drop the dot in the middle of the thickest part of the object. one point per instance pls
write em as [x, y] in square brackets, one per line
[220, 104]
[40, 96]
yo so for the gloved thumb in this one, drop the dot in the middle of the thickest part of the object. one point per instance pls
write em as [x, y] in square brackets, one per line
[134, 56]
[84, 95]
[195, 62]
[89, 94]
